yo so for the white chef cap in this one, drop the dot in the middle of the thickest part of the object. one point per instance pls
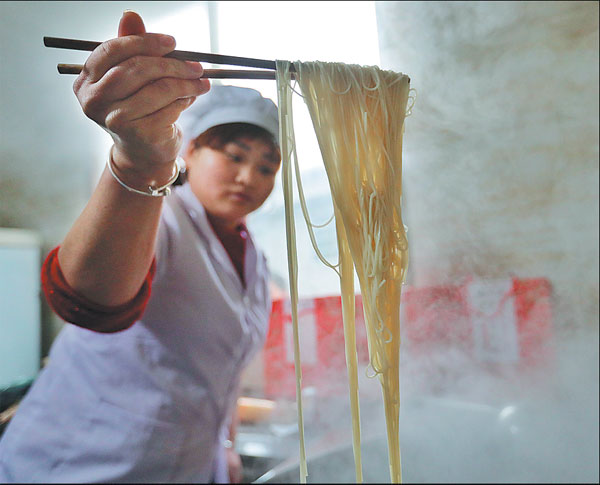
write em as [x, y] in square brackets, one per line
[227, 104]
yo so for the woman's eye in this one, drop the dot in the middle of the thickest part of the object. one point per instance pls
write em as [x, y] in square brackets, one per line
[266, 170]
[233, 157]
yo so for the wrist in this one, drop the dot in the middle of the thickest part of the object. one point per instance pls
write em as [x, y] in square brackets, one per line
[152, 179]
[137, 171]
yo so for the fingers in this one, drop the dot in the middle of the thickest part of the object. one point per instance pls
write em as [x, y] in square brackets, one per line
[160, 124]
[114, 51]
[152, 99]
[131, 24]
[136, 72]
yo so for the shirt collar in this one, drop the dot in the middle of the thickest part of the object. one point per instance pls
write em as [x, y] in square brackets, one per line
[194, 208]
[198, 214]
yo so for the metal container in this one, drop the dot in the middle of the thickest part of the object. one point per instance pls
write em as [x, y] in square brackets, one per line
[442, 440]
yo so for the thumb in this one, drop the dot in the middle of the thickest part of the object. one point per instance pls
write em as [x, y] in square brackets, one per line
[131, 24]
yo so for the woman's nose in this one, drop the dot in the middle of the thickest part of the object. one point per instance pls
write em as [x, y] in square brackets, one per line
[245, 175]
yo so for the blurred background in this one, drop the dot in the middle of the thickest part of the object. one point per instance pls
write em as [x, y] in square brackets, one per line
[499, 359]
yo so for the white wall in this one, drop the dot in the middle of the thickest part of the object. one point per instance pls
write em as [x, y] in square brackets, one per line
[501, 152]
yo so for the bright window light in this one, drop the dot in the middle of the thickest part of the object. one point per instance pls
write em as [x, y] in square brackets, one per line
[189, 26]
[306, 31]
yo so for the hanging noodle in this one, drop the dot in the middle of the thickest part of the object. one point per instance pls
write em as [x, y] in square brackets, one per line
[288, 149]
[358, 116]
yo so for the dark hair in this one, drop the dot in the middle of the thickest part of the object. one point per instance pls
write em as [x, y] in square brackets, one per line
[219, 136]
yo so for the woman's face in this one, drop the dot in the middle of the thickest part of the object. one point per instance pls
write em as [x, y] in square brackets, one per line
[232, 182]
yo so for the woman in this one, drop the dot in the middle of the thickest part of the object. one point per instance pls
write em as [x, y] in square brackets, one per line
[168, 296]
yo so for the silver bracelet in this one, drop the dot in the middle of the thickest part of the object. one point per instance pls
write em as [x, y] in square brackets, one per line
[162, 191]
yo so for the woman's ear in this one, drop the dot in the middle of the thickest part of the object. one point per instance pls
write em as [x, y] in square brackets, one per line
[188, 153]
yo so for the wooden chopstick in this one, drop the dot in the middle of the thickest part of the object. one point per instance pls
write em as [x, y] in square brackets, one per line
[208, 73]
[86, 45]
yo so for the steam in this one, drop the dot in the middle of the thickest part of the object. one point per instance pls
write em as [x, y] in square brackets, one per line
[463, 422]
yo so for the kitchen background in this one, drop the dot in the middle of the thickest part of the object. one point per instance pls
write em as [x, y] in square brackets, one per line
[500, 353]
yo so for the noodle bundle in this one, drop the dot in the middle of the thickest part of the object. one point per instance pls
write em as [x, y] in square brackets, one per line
[358, 115]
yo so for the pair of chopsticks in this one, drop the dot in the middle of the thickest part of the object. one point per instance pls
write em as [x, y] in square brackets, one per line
[267, 67]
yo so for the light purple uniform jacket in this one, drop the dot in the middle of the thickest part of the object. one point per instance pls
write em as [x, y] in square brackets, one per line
[151, 403]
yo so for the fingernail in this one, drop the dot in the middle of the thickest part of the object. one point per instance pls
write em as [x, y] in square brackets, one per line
[127, 11]
[167, 40]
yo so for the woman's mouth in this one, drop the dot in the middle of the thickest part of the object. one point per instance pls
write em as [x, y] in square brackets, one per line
[240, 197]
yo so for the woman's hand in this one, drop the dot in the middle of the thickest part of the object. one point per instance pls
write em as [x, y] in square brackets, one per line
[234, 466]
[134, 93]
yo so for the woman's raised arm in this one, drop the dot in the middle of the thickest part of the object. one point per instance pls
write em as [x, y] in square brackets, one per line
[136, 95]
